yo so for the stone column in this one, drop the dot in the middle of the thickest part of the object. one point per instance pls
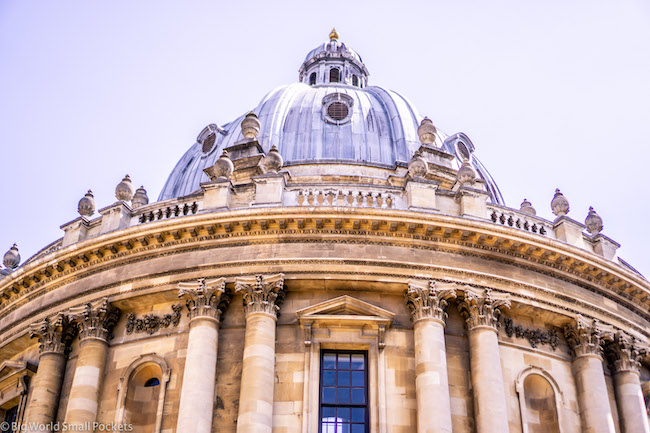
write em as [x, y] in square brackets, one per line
[261, 296]
[625, 358]
[206, 301]
[428, 310]
[95, 322]
[54, 336]
[481, 310]
[584, 339]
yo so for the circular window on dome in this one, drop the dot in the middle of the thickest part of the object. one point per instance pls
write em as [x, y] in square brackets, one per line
[337, 108]
[338, 111]
[208, 143]
[463, 150]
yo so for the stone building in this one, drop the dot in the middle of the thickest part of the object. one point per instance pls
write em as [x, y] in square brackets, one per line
[329, 262]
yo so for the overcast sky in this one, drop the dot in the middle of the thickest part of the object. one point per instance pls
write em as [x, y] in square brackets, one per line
[554, 94]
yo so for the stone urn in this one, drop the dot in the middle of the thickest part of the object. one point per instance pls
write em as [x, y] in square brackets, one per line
[223, 167]
[593, 222]
[124, 190]
[466, 174]
[272, 161]
[427, 131]
[87, 205]
[250, 126]
[12, 258]
[140, 198]
[559, 204]
[418, 166]
[527, 208]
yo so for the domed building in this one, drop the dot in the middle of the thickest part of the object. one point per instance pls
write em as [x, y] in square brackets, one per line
[328, 262]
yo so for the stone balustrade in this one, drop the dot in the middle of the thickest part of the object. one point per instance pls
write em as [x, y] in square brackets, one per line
[120, 215]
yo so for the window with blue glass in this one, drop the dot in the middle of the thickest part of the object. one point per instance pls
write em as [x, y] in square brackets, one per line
[344, 392]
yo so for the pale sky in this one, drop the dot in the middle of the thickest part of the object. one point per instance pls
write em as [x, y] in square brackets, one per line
[553, 94]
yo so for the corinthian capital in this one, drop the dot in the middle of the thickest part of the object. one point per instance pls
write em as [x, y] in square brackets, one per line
[429, 301]
[625, 353]
[96, 319]
[583, 337]
[54, 334]
[261, 294]
[482, 307]
[205, 298]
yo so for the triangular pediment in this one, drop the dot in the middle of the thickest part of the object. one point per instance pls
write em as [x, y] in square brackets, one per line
[9, 367]
[345, 306]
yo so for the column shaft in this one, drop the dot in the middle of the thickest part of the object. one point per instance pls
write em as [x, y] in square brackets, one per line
[595, 411]
[46, 389]
[86, 383]
[630, 402]
[431, 382]
[258, 375]
[490, 408]
[199, 378]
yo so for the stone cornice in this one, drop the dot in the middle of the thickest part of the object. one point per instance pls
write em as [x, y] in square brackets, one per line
[411, 229]
[429, 301]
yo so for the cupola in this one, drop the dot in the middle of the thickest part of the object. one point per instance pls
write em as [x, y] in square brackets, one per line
[334, 63]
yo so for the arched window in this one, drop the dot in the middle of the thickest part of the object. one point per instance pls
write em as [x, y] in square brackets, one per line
[540, 401]
[141, 394]
[335, 75]
[312, 79]
[355, 80]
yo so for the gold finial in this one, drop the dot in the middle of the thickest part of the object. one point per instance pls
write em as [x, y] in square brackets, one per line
[334, 35]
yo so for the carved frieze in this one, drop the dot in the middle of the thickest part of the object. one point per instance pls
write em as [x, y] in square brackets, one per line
[429, 301]
[482, 307]
[583, 337]
[534, 336]
[150, 323]
[95, 319]
[205, 298]
[54, 334]
[261, 294]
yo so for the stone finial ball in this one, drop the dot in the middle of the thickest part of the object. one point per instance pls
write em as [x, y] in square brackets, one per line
[272, 161]
[427, 131]
[223, 167]
[593, 222]
[250, 126]
[87, 205]
[140, 198]
[527, 208]
[466, 174]
[124, 190]
[418, 166]
[559, 204]
[12, 258]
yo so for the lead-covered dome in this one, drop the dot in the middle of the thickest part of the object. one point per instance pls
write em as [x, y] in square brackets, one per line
[330, 117]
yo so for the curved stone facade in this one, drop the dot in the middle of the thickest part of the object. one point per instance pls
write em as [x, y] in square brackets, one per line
[216, 311]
